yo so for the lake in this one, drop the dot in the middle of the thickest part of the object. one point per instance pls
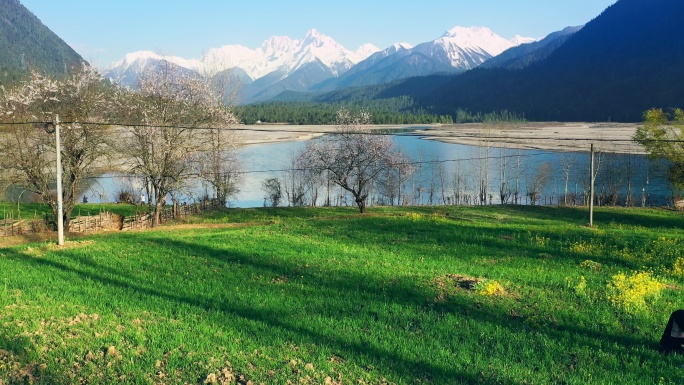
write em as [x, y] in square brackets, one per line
[449, 173]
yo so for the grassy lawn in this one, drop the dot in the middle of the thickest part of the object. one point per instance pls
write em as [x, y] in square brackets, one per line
[39, 210]
[424, 295]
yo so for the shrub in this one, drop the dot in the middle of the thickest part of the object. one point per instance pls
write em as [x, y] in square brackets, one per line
[589, 264]
[489, 287]
[125, 194]
[580, 288]
[678, 267]
[629, 292]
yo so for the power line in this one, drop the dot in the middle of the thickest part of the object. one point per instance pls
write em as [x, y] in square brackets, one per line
[433, 161]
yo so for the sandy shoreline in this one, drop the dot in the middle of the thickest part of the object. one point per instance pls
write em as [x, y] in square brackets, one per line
[270, 133]
[607, 137]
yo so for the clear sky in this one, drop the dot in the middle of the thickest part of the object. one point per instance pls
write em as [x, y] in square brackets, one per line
[104, 31]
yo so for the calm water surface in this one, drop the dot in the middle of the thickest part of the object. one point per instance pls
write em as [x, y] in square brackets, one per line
[264, 161]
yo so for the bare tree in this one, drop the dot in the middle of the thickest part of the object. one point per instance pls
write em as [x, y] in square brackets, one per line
[295, 181]
[220, 166]
[611, 178]
[353, 157]
[81, 99]
[391, 182]
[539, 181]
[567, 162]
[175, 117]
[273, 192]
[443, 181]
[459, 187]
[504, 188]
[484, 150]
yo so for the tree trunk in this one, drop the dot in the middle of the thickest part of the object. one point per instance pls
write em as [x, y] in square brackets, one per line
[362, 205]
[158, 209]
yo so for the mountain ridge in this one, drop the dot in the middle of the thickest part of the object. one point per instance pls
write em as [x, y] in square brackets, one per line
[26, 43]
[324, 60]
[607, 71]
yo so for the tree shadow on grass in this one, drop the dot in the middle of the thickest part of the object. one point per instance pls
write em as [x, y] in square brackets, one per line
[358, 295]
[275, 319]
[647, 218]
[445, 239]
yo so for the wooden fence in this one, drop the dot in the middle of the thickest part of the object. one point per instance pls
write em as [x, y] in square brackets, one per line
[136, 222]
[93, 223]
[15, 227]
[105, 221]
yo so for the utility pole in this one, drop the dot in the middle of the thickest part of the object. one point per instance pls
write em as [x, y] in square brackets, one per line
[591, 188]
[60, 208]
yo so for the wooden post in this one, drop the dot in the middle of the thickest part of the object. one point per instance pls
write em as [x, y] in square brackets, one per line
[591, 188]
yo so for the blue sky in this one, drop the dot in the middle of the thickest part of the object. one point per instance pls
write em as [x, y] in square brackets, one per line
[103, 31]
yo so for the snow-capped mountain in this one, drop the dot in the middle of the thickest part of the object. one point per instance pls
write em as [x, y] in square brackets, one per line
[457, 50]
[318, 62]
[465, 48]
[127, 70]
[275, 60]
[278, 53]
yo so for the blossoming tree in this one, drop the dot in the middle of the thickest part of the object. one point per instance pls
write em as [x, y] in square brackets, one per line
[82, 101]
[178, 130]
[353, 157]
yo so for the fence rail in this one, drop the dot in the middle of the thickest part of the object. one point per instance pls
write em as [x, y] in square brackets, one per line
[104, 221]
[93, 223]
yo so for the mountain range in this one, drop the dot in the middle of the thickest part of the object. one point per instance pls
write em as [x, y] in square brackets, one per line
[623, 62]
[318, 63]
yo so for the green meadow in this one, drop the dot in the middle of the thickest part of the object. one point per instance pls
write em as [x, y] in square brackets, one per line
[407, 295]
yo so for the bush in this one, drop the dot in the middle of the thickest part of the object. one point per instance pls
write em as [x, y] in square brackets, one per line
[630, 292]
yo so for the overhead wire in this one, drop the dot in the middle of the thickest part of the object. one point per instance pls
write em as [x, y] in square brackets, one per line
[273, 171]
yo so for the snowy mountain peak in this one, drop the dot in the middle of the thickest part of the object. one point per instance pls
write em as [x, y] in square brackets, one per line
[135, 57]
[363, 52]
[459, 31]
[313, 33]
[478, 39]
[140, 59]
[278, 43]
[400, 46]
[315, 38]
[396, 47]
[518, 40]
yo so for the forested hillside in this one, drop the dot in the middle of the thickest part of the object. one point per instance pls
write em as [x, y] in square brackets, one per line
[25, 43]
[625, 61]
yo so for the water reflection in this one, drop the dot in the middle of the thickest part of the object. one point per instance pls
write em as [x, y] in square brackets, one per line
[451, 173]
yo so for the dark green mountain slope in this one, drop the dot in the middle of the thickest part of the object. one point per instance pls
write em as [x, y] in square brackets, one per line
[26, 43]
[627, 60]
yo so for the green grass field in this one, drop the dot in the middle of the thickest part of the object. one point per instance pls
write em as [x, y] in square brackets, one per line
[425, 295]
[39, 210]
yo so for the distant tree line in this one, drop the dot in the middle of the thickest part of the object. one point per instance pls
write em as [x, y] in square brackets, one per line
[393, 111]
[465, 116]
